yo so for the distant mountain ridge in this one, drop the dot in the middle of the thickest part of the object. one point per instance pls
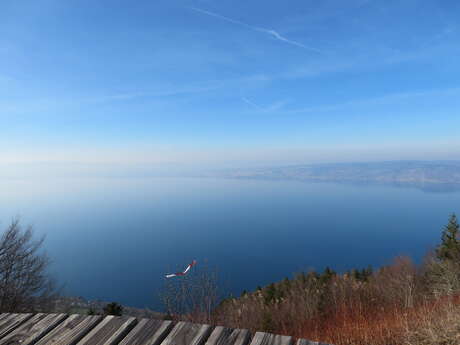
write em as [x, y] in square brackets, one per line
[426, 175]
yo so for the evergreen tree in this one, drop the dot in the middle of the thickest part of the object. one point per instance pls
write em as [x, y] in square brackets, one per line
[357, 274]
[270, 293]
[449, 249]
[327, 275]
[113, 309]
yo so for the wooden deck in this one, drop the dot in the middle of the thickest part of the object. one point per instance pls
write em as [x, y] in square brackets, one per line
[63, 329]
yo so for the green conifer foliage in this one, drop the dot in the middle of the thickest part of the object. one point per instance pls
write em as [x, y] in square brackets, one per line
[327, 275]
[270, 293]
[449, 249]
[113, 309]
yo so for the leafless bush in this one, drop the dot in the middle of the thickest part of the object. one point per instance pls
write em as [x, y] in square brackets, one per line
[442, 276]
[438, 323]
[24, 282]
[398, 284]
[192, 297]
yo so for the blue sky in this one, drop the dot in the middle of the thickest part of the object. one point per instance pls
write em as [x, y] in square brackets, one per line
[206, 82]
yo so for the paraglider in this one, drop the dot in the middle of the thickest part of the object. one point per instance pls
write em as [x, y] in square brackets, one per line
[182, 273]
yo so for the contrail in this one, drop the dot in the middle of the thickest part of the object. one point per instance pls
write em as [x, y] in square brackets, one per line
[272, 33]
[251, 103]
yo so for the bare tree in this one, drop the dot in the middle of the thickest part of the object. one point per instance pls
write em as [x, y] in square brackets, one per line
[442, 276]
[25, 284]
[398, 283]
[192, 297]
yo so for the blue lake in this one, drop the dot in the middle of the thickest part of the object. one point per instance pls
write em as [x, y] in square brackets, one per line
[114, 239]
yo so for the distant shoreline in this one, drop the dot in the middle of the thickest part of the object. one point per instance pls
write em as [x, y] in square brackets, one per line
[431, 176]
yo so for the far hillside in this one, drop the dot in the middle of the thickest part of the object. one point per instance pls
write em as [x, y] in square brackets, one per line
[426, 175]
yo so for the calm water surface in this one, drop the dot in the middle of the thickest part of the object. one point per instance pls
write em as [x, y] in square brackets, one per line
[113, 239]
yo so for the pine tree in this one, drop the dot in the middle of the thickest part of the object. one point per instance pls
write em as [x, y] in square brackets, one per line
[357, 274]
[449, 249]
[327, 275]
[113, 309]
[270, 293]
[366, 273]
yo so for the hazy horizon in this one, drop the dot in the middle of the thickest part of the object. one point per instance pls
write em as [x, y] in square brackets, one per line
[59, 169]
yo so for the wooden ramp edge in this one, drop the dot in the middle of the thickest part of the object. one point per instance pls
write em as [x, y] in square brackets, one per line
[63, 329]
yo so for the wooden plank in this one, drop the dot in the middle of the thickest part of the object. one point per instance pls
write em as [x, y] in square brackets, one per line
[6, 318]
[71, 331]
[148, 332]
[227, 336]
[33, 329]
[11, 322]
[261, 338]
[308, 342]
[185, 333]
[110, 331]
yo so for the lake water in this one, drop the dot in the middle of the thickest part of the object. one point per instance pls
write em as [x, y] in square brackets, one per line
[114, 239]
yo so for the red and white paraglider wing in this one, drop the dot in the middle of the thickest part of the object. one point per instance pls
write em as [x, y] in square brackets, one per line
[182, 273]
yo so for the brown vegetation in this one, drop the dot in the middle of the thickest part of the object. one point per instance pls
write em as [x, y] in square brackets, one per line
[395, 305]
[192, 297]
[401, 303]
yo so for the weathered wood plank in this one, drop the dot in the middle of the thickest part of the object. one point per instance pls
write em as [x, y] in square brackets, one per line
[33, 329]
[58, 329]
[261, 338]
[110, 331]
[71, 331]
[148, 332]
[5, 319]
[185, 333]
[227, 336]
[12, 321]
[308, 342]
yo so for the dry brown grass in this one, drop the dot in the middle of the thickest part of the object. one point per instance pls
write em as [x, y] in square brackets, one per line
[395, 305]
[431, 323]
[439, 324]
